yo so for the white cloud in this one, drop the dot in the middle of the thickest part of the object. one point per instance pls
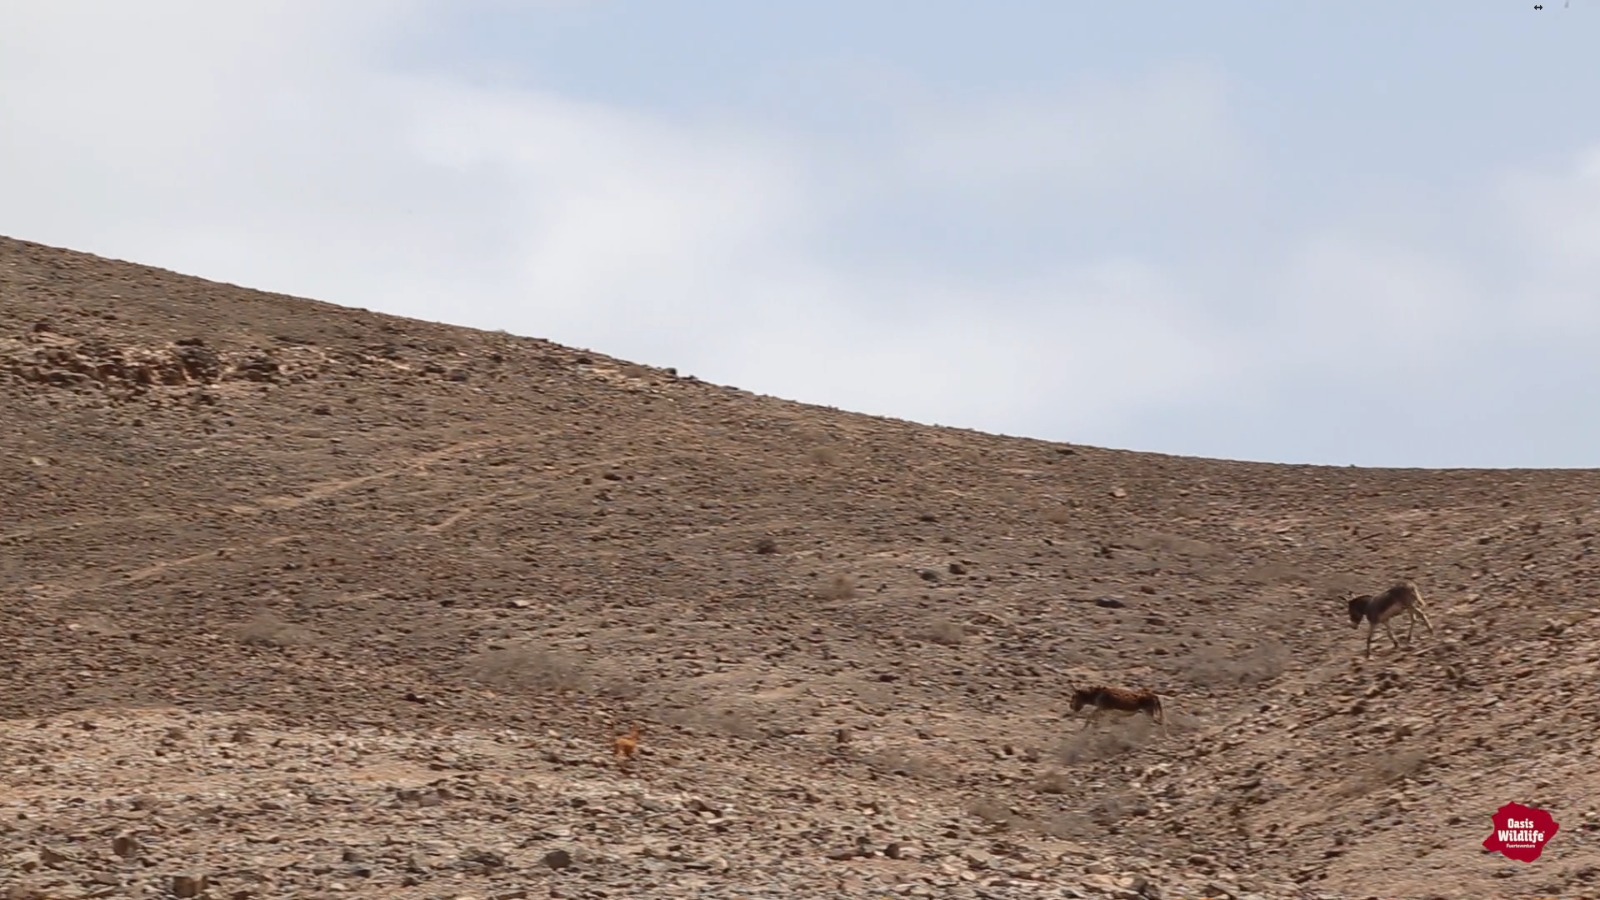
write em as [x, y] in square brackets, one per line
[282, 155]
[1077, 345]
[1169, 130]
[688, 246]
[1559, 213]
[614, 221]
[1364, 301]
[1352, 304]
[275, 145]
[125, 121]
[1554, 228]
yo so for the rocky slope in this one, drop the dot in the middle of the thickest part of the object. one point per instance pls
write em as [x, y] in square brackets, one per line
[303, 601]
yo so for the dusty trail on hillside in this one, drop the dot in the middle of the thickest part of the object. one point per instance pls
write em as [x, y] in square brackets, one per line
[303, 601]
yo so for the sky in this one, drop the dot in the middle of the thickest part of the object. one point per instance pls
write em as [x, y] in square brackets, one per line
[1352, 233]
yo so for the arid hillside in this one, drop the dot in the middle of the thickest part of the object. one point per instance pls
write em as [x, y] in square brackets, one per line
[304, 601]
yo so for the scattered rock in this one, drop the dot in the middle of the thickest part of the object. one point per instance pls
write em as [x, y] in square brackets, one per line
[188, 885]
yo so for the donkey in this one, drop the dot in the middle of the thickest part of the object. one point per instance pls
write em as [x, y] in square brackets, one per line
[1378, 610]
[1119, 700]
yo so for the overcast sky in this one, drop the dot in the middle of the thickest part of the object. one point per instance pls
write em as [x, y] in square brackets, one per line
[1338, 232]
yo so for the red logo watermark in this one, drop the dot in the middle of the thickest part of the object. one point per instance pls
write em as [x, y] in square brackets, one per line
[1520, 832]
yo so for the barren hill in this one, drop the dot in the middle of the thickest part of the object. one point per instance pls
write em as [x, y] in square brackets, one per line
[305, 601]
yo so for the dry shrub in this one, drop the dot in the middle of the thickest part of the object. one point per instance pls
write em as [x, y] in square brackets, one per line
[733, 723]
[995, 813]
[715, 720]
[1111, 808]
[943, 631]
[839, 587]
[1104, 741]
[1175, 544]
[893, 761]
[1400, 765]
[1053, 782]
[99, 624]
[1071, 826]
[266, 629]
[529, 667]
[824, 456]
[1273, 573]
[1106, 814]
[1385, 769]
[1337, 587]
[1215, 667]
[871, 694]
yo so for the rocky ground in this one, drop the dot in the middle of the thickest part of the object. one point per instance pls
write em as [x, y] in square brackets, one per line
[302, 601]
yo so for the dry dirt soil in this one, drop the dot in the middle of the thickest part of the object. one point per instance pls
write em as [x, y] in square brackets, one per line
[304, 601]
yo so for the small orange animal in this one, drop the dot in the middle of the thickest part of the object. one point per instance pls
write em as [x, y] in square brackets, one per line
[626, 745]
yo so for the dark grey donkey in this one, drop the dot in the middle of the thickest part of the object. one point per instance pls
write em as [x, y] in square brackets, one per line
[1380, 609]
